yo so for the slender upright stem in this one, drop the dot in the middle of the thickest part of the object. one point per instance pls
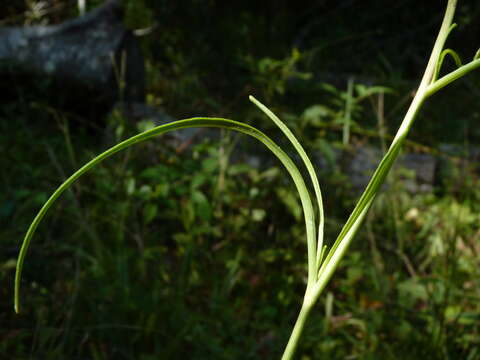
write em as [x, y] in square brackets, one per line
[356, 218]
[297, 331]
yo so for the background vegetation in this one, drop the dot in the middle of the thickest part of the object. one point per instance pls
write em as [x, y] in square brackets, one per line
[191, 250]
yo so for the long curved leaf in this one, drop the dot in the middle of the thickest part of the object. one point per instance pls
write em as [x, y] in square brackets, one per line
[314, 249]
[176, 125]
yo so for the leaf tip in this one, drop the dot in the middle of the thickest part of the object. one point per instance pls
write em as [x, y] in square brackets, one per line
[257, 103]
[477, 55]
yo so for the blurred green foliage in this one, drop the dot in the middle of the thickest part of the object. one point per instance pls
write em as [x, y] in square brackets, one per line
[186, 251]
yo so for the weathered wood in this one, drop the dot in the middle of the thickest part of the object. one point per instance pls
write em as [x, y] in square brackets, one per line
[77, 61]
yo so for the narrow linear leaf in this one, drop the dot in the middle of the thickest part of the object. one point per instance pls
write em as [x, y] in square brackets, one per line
[477, 55]
[451, 77]
[441, 56]
[313, 248]
[176, 125]
[367, 197]
[453, 54]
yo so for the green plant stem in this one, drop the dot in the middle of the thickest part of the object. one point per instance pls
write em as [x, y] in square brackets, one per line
[454, 75]
[360, 211]
[297, 331]
[378, 178]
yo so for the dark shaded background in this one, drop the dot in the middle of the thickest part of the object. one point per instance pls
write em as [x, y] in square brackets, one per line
[165, 252]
